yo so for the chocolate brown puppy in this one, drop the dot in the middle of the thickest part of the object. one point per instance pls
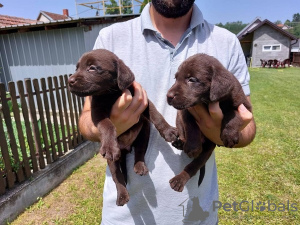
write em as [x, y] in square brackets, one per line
[202, 79]
[102, 75]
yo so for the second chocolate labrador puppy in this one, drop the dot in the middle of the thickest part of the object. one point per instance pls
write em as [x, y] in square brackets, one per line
[102, 75]
[202, 79]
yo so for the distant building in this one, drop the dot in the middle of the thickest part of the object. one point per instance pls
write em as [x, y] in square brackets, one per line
[265, 40]
[48, 46]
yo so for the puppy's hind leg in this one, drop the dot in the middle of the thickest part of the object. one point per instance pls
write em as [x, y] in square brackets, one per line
[118, 178]
[178, 182]
[193, 136]
[140, 144]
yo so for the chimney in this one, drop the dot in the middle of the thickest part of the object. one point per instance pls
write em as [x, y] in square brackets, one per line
[66, 12]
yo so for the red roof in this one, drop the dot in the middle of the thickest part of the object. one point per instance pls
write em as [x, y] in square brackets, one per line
[12, 20]
[53, 16]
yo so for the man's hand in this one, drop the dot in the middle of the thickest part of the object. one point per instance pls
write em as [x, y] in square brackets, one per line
[127, 109]
[124, 114]
[210, 121]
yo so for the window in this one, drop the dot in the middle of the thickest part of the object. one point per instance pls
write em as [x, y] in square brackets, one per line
[270, 48]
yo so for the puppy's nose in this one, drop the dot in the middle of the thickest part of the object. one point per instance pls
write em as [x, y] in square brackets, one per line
[170, 97]
[72, 80]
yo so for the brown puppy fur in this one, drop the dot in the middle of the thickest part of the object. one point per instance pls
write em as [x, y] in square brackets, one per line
[103, 75]
[201, 79]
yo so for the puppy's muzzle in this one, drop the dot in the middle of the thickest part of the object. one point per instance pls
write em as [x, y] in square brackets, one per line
[72, 81]
[170, 97]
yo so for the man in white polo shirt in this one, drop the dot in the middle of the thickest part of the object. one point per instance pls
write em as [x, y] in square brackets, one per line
[153, 46]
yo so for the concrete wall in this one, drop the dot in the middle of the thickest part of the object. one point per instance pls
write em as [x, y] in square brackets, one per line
[266, 35]
[18, 199]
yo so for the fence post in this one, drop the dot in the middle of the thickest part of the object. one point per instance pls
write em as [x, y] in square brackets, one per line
[36, 132]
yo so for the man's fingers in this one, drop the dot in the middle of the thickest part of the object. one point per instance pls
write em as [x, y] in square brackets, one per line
[245, 114]
[139, 104]
[215, 113]
[122, 102]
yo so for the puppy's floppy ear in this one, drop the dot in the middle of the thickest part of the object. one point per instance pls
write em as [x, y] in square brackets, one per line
[221, 83]
[124, 75]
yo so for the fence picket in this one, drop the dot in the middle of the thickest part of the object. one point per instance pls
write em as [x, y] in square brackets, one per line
[67, 117]
[6, 157]
[79, 113]
[27, 125]
[61, 117]
[71, 108]
[42, 119]
[36, 132]
[2, 182]
[49, 122]
[54, 115]
[17, 116]
[11, 136]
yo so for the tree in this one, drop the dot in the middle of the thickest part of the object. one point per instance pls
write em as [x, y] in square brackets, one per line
[234, 27]
[112, 8]
[144, 4]
[278, 22]
[296, 17]
[127, 7]
[287, 22]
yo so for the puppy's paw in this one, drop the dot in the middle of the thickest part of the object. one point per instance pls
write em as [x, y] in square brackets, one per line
[122, 198]
[177, 183]
[140, 168]
[178, 144]
[170, 134]
[112, 153]
[230, 137]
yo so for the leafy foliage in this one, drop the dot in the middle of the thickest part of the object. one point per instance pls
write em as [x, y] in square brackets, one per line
[234, 27]
[145, 2]
[113, 7]
[294, 24]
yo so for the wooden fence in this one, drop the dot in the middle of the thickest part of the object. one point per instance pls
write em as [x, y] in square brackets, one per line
[38, 124]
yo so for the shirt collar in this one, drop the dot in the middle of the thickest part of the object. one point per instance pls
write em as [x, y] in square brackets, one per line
[146, 23]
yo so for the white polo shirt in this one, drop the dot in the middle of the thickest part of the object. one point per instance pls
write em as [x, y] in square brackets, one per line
[154, 62]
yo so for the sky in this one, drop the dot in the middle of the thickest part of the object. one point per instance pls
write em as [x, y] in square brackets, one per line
[214, 11]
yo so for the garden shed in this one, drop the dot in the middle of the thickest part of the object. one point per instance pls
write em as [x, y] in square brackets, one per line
[48, 48]
[265, 40]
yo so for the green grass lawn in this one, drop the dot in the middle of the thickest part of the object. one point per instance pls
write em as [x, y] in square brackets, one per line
[266, 171]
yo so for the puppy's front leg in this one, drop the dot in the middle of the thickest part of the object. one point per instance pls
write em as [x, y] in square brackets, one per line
[108, 135]
[169, 133]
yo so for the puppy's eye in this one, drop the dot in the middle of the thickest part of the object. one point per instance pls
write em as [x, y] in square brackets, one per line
[192, 79]
[92, 68]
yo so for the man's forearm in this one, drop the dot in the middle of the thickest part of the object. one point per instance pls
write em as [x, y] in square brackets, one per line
[87, 127]
[247, 135]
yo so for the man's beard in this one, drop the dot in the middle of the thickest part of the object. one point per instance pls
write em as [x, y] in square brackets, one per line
[172, 8]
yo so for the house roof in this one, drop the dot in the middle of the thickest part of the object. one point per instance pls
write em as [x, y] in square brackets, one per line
[70, 22]
[284, 26]
[251, 29]
[12, 20]
[52, 16]
[257, 20]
